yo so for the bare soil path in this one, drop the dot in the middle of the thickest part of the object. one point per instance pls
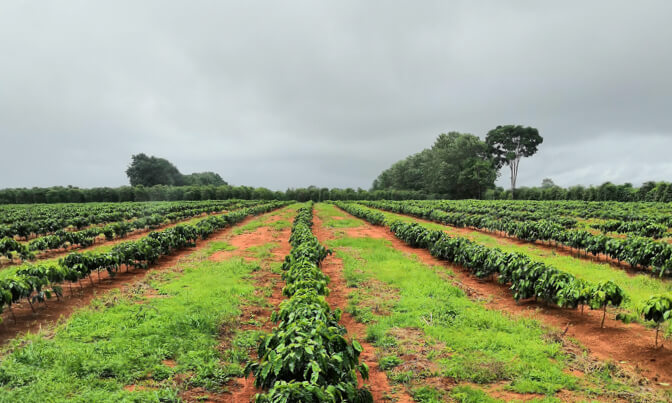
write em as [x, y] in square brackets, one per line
[268, 286]
[338, 298]
[630, 346]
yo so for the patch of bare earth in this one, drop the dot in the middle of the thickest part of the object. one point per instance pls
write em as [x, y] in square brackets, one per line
[268, 287]
[628, 347]
[338, 298]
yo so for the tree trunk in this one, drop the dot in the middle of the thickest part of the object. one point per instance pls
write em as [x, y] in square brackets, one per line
[604, 315]
[12, 312]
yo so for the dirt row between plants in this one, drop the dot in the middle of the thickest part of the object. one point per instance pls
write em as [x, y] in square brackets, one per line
[80, 294]
[131, 236]
[253, 316]
[629, 346]
[242, 390]
[338, 298]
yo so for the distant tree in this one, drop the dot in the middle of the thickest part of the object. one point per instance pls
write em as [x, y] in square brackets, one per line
[643, 193]
[547, 183]
[150, 171]
[459, 166]
[508, 144]
[203, 178]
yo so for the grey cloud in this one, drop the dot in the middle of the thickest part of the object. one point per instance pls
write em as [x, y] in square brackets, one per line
[329, 93]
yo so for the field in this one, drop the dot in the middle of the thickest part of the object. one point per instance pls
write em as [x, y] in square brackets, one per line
[399, 301]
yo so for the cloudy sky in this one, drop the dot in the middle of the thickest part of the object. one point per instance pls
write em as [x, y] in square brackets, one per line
[293, 93]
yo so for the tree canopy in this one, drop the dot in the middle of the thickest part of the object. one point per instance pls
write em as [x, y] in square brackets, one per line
[203, 178]
[457, 166]
[150, 171]
[508, 144]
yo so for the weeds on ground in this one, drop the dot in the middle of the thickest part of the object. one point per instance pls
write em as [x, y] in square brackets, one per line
[118, 351]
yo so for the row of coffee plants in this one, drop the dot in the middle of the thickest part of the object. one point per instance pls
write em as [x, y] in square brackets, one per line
[636, 251]
[645, 226]
[37, 283]
[26, 221]
[641, 221]
[467, 209]
[307, 358]
[527, 278]
[657, 309]
[660, 213]
[120, 229]
[647, 229]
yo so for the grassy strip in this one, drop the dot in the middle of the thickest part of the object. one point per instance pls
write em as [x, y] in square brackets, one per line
[284, 221]
[638, 288]
[484, 350]
[125, 339]
[481, 345]
[336, 218]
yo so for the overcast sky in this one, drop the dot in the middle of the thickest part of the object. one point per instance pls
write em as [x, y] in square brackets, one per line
[293, 93]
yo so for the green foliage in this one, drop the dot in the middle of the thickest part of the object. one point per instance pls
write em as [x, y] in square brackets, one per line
[456, 166]
[635, 250]
[527, 278]
[119, 342]
[203, 179]
[467, 341]
[467, 394]
[658, 309]
[307, 358]
[150, 171]
[508, 144]
[39, 283]
[427, 394]
[389, 362]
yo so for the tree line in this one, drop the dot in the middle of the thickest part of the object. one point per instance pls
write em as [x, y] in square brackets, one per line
[151, 171]
[70, 194]
[648, 192]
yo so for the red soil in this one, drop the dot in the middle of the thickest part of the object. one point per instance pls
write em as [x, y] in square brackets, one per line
[242, 390]
[631, 346]
[338, 298]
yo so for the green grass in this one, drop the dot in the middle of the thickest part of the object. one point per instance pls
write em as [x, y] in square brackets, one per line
[263, 251]
[285, 214]
[481, 345]
[251, 226]
[118, 341]
[638, 287]
[280, 225]
[327, 212]
[216, 246]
